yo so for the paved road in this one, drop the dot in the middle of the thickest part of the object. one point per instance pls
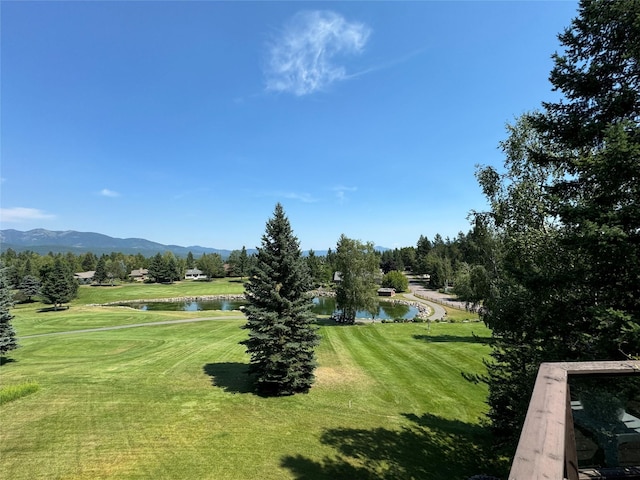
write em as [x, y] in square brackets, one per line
[438, 312]
[133, 325]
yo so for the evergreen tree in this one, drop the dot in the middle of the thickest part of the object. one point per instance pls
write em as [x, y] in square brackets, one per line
[101, 270]
[314, 264]
[30, 286]
[163, 268]
[172, 268]
[191, 262]
[89, 262]
[243, 263]
[7, 333]
[567, 281]
[211, 265]
[58, 284]
[279, 319]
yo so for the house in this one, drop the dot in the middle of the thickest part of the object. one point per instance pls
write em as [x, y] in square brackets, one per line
[84, 278]
[139, 275]
[337, 277]
[386, 292]
[194, 274]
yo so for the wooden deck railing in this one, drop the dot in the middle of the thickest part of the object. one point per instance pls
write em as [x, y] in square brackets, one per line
[547, 448]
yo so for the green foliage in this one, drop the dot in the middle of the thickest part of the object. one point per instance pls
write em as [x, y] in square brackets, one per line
[101, 270]
[279, 319]
[8, 340]
[566, 286]
[240, 263]
[29, 286]
[164, 268]
[358, 266]
[211, 265]
[472, 283]
[14, 392]
[396, 280]
[190, 262]
[391, 260]
[58, 284]
[88, 262]
[316, 271]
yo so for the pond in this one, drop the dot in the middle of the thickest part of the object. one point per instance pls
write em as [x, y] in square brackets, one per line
[321, 306]
[386, 310]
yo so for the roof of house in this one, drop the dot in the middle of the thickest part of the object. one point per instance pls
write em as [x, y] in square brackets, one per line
[139, 272]
[85, 275]
[386, 290]
[193, 271]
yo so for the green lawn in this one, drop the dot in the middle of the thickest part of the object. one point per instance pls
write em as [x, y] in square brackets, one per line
[173, 402]
[136, 291]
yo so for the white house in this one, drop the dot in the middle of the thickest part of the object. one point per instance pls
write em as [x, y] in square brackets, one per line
[194, 274]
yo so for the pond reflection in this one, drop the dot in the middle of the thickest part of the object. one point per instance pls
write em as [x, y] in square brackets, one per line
[321, 306]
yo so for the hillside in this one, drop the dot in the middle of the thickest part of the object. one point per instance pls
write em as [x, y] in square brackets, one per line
[43, 241]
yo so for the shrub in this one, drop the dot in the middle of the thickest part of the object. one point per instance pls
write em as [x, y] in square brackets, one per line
[396, 280]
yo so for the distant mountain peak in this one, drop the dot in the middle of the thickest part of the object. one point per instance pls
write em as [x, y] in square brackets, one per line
[43, 241]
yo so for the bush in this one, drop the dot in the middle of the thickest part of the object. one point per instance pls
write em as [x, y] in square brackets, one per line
[396, 280]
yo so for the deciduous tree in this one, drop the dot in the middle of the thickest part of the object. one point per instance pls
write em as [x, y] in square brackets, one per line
[567, 283]
[396, 280]
[359, 269]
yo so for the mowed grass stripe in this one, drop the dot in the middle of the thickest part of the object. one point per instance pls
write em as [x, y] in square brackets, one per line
[431, 371]
[140, 403]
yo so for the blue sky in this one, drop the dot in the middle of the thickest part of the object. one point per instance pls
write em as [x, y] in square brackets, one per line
[186, 122]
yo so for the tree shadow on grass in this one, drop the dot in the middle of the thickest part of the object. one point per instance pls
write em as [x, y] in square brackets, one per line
[453, 338]
[5, 360]
[53, 309]
[431, 448]
[232, 377]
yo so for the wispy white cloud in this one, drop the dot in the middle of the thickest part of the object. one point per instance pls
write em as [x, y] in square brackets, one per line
[299, 196]
[105, 192]
[22, 214]
[341, 192]
[303, 197]
[304, 58]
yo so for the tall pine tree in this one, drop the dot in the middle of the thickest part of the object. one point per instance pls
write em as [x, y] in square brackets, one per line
[7, 333]
[282, 337]
[58, 284]
[567, 283]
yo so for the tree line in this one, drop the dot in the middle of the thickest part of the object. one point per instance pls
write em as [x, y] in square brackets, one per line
[445, 261]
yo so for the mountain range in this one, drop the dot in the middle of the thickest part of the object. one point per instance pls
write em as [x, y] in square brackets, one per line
[44, 241]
